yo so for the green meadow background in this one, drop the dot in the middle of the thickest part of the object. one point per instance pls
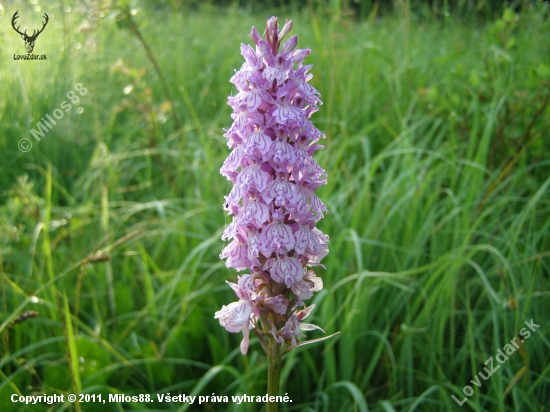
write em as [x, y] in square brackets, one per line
[437, 120]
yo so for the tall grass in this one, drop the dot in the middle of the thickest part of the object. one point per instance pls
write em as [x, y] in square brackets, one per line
[437, 156]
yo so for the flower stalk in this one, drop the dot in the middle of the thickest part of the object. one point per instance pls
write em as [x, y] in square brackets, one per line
[274, 365]
[273, 200]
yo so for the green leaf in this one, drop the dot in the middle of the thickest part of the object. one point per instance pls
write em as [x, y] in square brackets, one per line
[510, 43]
[498, 26]
[355, 392]
[307, 342]
[508, 16]
[387, 406]
[71, 344]
[432, 94]
[474, 79]
[543, 71]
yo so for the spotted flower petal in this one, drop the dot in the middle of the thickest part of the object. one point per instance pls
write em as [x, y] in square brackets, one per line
[253, 177]
[275, 237]
[287, 270]
[236, 254]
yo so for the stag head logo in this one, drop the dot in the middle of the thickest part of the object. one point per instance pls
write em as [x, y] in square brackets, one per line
[29, 40]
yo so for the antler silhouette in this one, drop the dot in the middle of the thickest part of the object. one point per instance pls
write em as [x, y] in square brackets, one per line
[34, 36]
[34, 33]
[15, 16]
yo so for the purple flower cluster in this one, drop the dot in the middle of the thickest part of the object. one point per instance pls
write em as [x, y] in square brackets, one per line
[273, 201]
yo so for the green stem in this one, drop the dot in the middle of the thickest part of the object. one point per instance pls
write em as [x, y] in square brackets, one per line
[273, 373]
[156, 66]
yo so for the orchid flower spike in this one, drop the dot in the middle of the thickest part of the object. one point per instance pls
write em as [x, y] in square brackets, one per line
[273, 201]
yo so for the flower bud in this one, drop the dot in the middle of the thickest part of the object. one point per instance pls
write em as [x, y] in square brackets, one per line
[286, 29]
[255, 35]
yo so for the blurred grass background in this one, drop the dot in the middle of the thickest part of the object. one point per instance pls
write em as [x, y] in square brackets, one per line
[438, 157]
